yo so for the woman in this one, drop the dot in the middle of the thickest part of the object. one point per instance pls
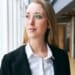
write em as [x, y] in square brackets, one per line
[38, 56]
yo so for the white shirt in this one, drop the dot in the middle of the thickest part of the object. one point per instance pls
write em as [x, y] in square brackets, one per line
[38, 65]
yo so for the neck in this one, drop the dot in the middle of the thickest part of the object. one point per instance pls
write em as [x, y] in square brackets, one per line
[39, 47]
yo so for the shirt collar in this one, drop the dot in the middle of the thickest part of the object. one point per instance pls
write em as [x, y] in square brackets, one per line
[50, 55]
[28, 50]
[30, 53]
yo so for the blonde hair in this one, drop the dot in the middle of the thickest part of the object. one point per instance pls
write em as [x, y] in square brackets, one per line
[51, 33]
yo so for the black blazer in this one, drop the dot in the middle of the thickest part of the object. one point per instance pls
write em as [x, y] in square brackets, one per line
[16, 62]
[0, 71]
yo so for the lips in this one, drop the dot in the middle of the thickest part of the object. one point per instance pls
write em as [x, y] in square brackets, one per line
[32, 29]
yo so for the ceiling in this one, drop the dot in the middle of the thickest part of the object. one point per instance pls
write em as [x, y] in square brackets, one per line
[66, 13]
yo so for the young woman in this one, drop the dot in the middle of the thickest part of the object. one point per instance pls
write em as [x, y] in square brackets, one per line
[38, 56]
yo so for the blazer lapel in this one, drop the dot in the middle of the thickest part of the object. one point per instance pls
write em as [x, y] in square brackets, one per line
[56, 67]
[55, 61]
[21, 66]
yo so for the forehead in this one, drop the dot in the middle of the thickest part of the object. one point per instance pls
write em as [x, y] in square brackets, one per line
[35, 7]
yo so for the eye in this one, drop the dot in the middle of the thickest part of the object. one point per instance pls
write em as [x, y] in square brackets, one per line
[27, 16]
[37, 16]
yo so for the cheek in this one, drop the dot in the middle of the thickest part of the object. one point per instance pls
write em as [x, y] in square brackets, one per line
[43, 26]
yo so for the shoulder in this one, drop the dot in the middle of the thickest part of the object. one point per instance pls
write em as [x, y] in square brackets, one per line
[62, 59]
[14, 55]
[59, 53]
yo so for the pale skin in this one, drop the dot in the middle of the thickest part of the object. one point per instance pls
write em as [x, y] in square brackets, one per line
[36, 27]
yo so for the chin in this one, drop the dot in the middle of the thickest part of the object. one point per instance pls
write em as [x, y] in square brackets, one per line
[32, 36]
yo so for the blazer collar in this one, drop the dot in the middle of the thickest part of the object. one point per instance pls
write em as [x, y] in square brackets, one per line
[56, 60]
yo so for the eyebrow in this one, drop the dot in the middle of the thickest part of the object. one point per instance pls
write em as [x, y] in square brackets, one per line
[33, 13]
[37, 13]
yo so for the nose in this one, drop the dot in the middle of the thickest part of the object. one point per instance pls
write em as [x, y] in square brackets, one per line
[31, 21]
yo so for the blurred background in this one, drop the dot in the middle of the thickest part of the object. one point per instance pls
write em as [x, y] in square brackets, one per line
[12, 22]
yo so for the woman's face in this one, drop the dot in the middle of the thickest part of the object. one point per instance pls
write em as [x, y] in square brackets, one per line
[36, 21]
